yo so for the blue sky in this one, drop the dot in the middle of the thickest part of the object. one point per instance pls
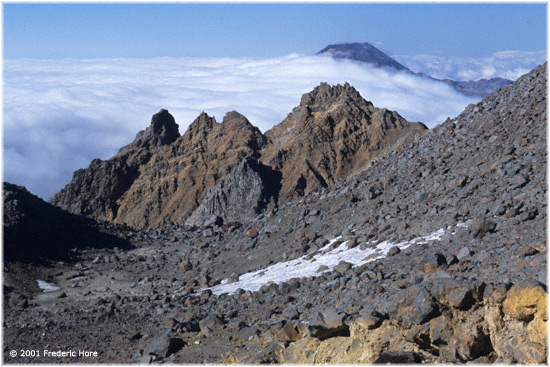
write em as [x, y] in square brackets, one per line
[60, 30]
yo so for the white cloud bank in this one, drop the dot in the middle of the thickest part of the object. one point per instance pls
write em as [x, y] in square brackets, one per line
[61, 114]
[505, 64]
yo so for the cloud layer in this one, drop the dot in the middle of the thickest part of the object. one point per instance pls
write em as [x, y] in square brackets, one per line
[505, 64]
[61, 114]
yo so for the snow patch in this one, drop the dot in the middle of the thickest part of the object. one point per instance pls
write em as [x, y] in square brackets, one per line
[47, 287]
[305, 266]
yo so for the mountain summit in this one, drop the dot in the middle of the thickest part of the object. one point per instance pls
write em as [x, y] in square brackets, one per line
[364, 52]
[367, 53]
[333, 133]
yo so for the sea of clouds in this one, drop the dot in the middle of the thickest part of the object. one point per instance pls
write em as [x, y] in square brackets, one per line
[505, 64]
[60, 114]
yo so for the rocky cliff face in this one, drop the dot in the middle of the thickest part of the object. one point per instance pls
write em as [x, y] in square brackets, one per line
[96, 191]
[248, 190]
[161, 178]
[162, 131]
[176, 179]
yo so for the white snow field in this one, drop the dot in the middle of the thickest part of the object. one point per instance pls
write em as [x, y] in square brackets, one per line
[302, 267]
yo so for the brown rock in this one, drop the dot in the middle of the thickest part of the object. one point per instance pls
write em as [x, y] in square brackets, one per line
[496, 294]
[184, 266]
[148, 185]
[528, 251]
[530, 353]
[289, 333]
[369, 320]
[481, 226]
[522, 300]
[351, 243]
[252, 233]
[470, 341]
[440, 330]
[537, 330]
[205, 280]
[332, 133]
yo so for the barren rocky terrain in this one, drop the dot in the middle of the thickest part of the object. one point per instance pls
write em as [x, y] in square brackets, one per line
[430, 251]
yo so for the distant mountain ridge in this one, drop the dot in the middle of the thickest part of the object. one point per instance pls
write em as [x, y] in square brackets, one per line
[367, 53]
[364, 52]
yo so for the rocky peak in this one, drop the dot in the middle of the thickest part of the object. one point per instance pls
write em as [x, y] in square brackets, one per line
[364, 52]
[321, 108]
[200, 127]
[234, 117]
[324, 96]
[174, 182]
[162, 131]
[367, 53]
[332, 133]
[236, 124]
[330, 110]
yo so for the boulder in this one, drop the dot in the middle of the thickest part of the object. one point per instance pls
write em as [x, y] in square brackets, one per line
[162, 345]
[482, 226]
[212, 322]
[328, 323]
[522, 300]
[414, 306]
[432, 262]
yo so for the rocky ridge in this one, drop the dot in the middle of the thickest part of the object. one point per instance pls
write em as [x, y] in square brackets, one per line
[480, 88]
[475, 292]
[100, 187]
[161, 178]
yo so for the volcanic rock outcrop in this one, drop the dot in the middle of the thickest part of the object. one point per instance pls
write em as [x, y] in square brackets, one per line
[96, 191]
[248, 190]
[162, 178]
[162, 131]
[333, 133]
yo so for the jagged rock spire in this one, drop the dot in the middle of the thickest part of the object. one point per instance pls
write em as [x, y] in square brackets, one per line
[162, 131]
